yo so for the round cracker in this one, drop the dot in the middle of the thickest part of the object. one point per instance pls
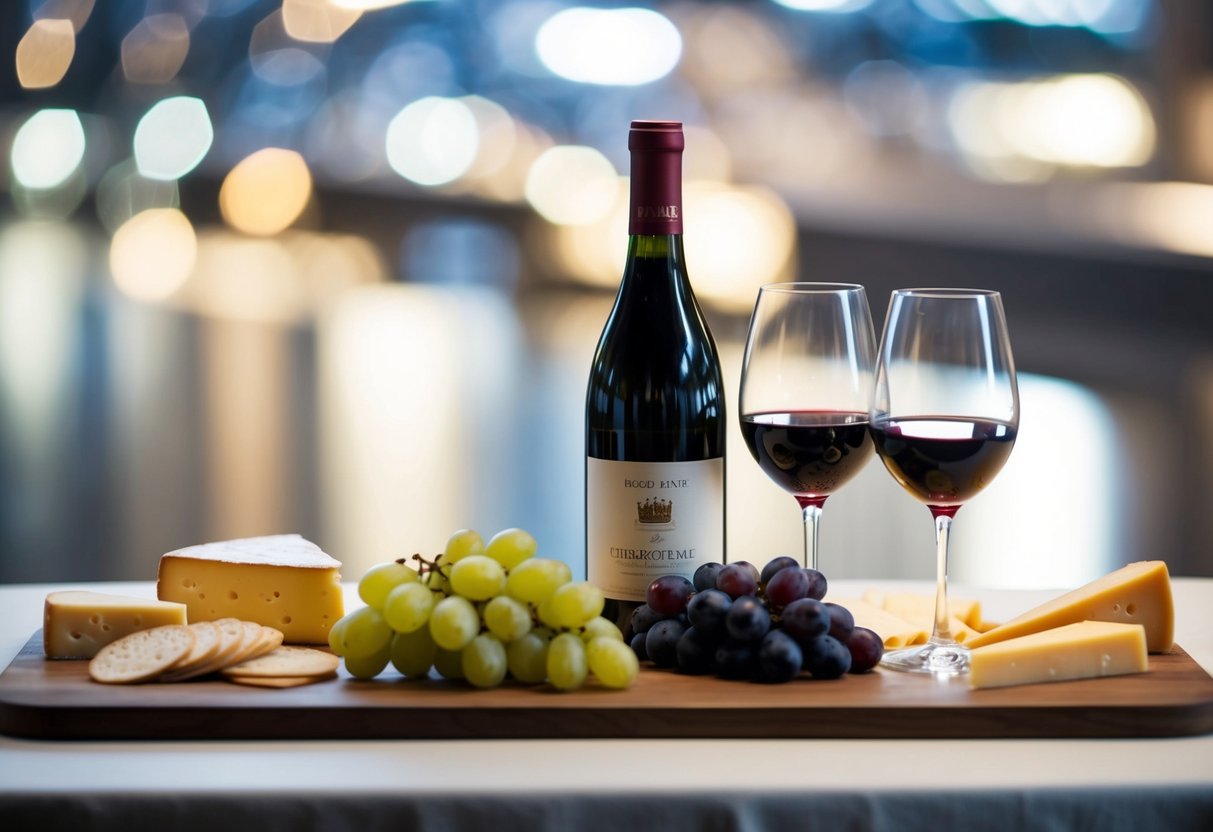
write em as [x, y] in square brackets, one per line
[142, 655]
[206, 646]
[231, 640]
[286, 661]
[280, 681]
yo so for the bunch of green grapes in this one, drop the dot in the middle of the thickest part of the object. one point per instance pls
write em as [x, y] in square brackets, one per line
[482, 612]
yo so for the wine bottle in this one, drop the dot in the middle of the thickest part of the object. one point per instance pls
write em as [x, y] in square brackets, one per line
[655, 413]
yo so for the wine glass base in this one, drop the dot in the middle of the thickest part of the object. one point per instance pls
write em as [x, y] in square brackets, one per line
[939, 658]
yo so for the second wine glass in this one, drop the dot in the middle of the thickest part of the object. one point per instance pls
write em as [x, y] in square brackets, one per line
[806, 387]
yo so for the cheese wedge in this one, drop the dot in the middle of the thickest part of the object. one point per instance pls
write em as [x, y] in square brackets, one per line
[894, 631]
[913, 606]
[75, 625]
[1084, 650]
[281, 581]
[1139, 593]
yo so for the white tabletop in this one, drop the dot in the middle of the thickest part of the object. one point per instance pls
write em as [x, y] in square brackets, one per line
[49, 772]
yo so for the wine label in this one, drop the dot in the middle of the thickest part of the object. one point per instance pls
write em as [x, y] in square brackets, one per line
[648, 519]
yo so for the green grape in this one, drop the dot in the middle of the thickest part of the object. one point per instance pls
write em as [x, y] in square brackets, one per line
[511, 547]
[437, 579]
[449, 663]
[506, 618]
[453, 623]
[612, 662]
[380, 580]
[413, 653]
[463, 543]
[366, 633]
[483, 662]
[370, 665]
[478, 578]
[572, 605]
[534, 580]
[544, 611]
[599, 626]
[566, 662]
[527, 657]
[337, 635]
[408, 607]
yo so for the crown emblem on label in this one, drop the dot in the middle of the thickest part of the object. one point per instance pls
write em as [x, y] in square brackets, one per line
[654, 511]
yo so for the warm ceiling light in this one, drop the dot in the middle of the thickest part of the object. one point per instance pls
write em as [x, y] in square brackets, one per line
[317, 21]
[45, 52]
[266, 192]
[153, 51]
[153, 253]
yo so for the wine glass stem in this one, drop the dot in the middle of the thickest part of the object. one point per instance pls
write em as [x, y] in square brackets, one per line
[812, 520]
[943, 627]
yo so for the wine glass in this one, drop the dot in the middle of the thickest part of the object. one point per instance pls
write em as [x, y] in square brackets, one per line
[806, 387]
[944, 418]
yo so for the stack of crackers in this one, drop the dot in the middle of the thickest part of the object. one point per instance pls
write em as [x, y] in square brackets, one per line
[241, 651]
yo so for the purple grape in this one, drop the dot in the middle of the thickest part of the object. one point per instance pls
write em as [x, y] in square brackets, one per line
[707, 610]
[736, 659]
[669, 594]
[644, 617]
[736, 580]
[637, 645]
[776, 565]
[661, 642]
[696, 652]
[705, 576]
[826, 658]
[805, 620]
[786, 586]
[817, 584]
[841, 621]
[747, 619]
[866, 648]
[753, 569]
[779, 658]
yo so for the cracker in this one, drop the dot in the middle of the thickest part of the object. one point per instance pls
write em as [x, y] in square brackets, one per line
[280, 681]
[231, 640]
[142, 655]
[206, 646]
[286, 661]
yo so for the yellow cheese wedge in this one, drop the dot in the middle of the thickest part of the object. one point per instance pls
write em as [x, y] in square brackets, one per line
[1084, 650]
[913, 606]
[920, 611]
[281, 581]
[1139, 593]
[75, 625]
[894, 631]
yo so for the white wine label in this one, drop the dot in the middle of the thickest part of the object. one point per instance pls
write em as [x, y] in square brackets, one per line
[648, 519]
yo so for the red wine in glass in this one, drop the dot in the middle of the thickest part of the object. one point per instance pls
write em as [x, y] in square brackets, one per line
[943, 461]
[810, 454]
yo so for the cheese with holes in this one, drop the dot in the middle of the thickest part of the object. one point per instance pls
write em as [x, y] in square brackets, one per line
[1139, 593]
[75, 625]
[281, 581]
[1084, 650]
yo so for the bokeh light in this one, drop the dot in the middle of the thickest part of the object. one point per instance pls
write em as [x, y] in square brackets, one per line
[432, 141]
[609, 46]
[173, 137]
[153, 253]
[317, 21]
[572, 185]
[154, 51]
[266, 192]
[123, 192]
[45, 52]
[48, 148]
[75, 11]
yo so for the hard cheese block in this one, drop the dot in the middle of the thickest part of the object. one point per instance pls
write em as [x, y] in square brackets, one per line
[1139, 593]
[75, 625]
[1084, 650]
[281, 581]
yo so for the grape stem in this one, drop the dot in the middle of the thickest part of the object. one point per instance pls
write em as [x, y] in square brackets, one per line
[428, 566]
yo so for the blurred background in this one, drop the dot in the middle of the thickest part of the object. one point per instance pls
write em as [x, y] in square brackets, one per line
[339, 266]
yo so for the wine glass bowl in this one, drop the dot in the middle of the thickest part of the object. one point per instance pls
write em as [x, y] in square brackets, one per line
[806, 387]
[944, 417]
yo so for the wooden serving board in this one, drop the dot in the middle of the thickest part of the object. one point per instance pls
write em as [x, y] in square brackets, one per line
[47, 699]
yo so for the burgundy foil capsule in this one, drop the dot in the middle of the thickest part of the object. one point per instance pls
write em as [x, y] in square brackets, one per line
[656, 193]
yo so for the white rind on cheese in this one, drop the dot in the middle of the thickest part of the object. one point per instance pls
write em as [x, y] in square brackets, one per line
[1083, 650]
[77, 624]
[274, 550]
[1139, 593]
[279, 581]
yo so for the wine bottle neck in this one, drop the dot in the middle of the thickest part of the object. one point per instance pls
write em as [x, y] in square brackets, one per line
[655, 246]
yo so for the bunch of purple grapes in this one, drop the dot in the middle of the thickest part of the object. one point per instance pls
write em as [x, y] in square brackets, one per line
[738, 623]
